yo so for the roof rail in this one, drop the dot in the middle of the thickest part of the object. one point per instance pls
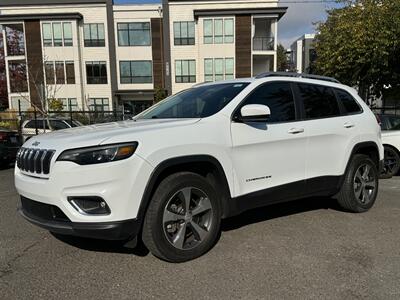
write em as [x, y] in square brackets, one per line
[298, 75]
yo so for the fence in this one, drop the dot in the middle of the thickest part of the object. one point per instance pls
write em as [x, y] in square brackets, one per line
[33, 122]
[387, 110]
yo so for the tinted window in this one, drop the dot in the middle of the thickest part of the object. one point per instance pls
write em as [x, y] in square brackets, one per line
[39, 124]
[57, 125]
[349, 103]
[319, 101]
[278, 97]
[393, 123]
[199, 102]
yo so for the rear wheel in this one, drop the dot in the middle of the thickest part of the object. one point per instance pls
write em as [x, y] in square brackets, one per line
[183, 218]
[391, 165]
[360, 187]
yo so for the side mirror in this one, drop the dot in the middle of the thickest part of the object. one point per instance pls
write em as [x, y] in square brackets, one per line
[254, 113]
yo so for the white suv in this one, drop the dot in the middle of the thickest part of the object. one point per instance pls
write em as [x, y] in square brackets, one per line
[207, 153]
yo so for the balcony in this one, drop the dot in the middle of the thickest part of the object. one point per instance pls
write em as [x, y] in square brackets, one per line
[263, 43]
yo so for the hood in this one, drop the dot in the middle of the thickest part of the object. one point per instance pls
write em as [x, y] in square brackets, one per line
[99, 134]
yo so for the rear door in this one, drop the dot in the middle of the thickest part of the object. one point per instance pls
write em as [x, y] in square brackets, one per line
[331, 136]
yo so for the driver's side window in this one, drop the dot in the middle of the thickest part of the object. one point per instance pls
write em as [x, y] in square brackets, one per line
[278, 97]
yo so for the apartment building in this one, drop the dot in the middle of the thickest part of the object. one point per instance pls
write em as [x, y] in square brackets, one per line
[302, 53]
[96, 55]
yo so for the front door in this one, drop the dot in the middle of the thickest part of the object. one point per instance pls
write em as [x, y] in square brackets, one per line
[271, 154]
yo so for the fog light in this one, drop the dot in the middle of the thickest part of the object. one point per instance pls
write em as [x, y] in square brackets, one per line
[89, 205]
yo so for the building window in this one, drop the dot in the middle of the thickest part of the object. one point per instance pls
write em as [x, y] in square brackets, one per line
[228, 31]
[47, 35]
[136, 72]
[57, 34]
[185, 71]
[96, 72]
[218, 69]
[67, 34]
[134, 34]
[208, 31]
[49, 72]
[184, 33]
[94, 35]
[18, 77]
[208, 70]
[218, 31]
[70, 104]
[60, 75]
[59, 72]
[229, 68]
[70, 72]
[15, 39]
[99, 104]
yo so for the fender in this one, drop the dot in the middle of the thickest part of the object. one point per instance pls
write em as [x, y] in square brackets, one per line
[358, 148]
[176, 162]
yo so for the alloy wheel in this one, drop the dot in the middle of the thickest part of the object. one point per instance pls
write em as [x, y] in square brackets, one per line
[390, 162]
[365, 183]
[187, 218]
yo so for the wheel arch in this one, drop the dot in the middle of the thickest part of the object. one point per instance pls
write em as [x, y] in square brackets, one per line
[205, 165]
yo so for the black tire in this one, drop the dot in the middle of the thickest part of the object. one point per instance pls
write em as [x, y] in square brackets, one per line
[391, 164]
[348, 197]
[156, 234]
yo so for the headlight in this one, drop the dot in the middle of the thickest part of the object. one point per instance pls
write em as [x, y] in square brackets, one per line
[99, 154]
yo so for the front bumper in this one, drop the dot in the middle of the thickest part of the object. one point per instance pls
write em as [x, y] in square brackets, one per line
[120, 184]
[51, 218]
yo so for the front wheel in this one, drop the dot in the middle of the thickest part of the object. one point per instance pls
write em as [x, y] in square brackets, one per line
[360, 186]
[183, 218]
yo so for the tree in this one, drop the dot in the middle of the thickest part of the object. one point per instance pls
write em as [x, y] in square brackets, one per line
[46, 92]
[282, 61]
[359, 45]
[56, 105]
[159, 94]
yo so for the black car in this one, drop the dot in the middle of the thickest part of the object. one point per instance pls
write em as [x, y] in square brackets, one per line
[9, 145]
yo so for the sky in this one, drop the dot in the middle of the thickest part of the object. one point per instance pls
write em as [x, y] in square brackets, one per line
[297, 21]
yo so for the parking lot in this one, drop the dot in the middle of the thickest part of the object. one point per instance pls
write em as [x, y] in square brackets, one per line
[303, 249]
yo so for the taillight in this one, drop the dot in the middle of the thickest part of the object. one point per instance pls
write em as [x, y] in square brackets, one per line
[3, 136]
[378, 119]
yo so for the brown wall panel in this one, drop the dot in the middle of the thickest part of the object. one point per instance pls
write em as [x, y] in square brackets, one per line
[34, 58]
[157, 49]
[243, 46]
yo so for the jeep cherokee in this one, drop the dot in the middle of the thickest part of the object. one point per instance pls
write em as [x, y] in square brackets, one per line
[207, 153]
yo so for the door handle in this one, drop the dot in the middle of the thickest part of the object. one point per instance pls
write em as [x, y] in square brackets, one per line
[295, 130]
[348, 125]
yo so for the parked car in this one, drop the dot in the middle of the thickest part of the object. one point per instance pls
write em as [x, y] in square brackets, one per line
[390, 125]
[202, 155]
[39, 126]
[9, 145]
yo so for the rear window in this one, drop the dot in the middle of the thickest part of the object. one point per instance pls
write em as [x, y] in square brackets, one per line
[319, 101]
[349, 103]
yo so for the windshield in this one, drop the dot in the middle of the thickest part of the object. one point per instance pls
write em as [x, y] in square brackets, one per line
[198, 102]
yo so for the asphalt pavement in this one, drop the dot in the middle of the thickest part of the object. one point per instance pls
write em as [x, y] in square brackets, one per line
[304, 249]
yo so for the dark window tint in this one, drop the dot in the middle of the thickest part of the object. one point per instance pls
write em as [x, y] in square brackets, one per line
[349, 103]
[319, 101]
[278, 97]
[58, 125]
[393, 123]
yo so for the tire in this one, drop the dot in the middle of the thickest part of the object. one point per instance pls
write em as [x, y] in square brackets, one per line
[173, 234]
[391, 165]
[360, 187]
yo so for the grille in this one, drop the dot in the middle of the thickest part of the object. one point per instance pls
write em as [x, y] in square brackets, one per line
[34, 160]
[43, 211]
